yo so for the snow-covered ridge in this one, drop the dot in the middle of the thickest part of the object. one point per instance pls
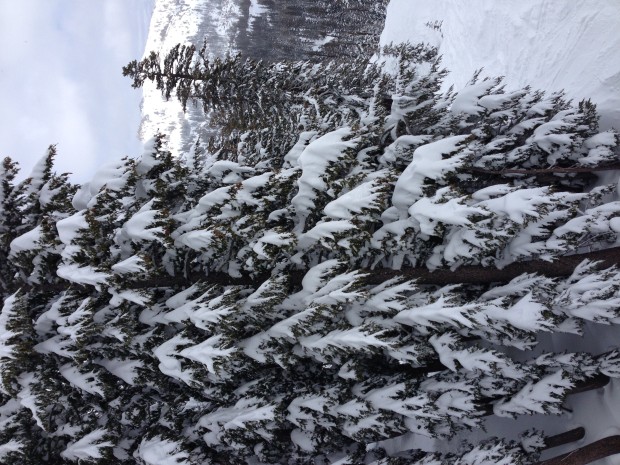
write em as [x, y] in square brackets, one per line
[548, 44]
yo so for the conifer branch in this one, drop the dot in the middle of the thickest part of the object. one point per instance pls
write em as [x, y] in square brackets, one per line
[585, 385]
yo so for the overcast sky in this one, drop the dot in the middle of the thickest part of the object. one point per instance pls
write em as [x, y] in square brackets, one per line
[61, 82]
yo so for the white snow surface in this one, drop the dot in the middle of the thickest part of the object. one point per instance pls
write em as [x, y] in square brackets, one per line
[68, 228]
[314, 161]
[8, 312]
[428, 162]
[159, 451]
[25, 242]
[549, 44]
[81, 274]
[87, 448]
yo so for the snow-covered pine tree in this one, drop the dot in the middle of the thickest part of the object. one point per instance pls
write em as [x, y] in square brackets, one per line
[258, 107]
[378, 290]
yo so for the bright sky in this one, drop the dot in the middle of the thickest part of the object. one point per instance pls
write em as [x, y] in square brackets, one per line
[61, 82]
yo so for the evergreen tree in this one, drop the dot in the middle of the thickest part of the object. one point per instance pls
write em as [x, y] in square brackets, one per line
[232, 309]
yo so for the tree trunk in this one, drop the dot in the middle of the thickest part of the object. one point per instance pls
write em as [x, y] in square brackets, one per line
[533, 172]
[564, 438]
[560, 267]
[587, 454]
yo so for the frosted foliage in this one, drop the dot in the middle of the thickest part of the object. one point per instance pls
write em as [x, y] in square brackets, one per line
[275, 238]
[432, 403]
[111, 176]
[204, 311]
[124, 369]
[169, 364]
[69, 228]
[403, 149]
[496, 454]
[469, 101]
[128, 295]
[159, 451]
[303, 410]
[314, 279]
[518, 204]
[439, 312]
[610, 364]
[245, 414]
[11, 447]
[27, 397]
[8, 312]
[600, 148]
[352, 338]
[82, 274]
[543, 396]
[291, 159]
[429, 211]
[527, 314]
[89, 382]
[70, 329]
[139, 226]
[207, 352]
[199, 240]
[133, 264]
[470, 359]
[27, 241]
[327, 283]
[602, 219]
[362, 197]
[389, 296]
[314, 161]
[228, 172]
[323, 231]
[429, 161]
[592, 295]
[88, 447]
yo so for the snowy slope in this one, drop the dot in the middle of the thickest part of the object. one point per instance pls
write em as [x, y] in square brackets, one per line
[549, 44]
[173, 22]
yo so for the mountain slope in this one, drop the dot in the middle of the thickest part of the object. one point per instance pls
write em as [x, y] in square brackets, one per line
[547, 44]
